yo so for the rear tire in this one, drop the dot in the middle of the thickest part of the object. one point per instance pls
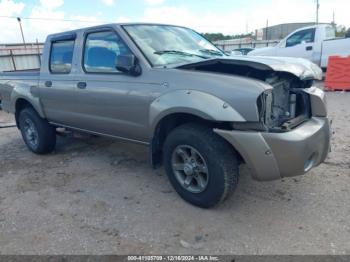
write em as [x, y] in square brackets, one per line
[201, 166]
[37, 133]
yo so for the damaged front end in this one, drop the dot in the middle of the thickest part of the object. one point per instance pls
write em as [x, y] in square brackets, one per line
[285, 106]
[281, 108]
[291, 134]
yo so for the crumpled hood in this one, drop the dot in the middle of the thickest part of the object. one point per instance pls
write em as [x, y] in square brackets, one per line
[262, 51]
[301, 68]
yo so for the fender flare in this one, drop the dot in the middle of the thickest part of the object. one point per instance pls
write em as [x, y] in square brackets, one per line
[201, 104]
[28, 94]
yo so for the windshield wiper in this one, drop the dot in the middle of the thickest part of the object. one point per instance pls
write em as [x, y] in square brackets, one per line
[178, 52]
[212, 52]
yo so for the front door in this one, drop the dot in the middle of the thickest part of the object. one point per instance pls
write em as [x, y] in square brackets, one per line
[112, 102]
[300, 44]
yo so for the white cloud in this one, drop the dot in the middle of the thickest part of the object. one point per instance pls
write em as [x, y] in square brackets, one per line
[123, 19]
[341, 10]
[9, 8]
[228, 21]
[9, 26]
[37, 28]
[203, 22]
[51, 4]
[155, 2]
[108, 2]
[237, 20]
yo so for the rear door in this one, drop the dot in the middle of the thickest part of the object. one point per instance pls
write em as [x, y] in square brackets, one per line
[57, 80]
[300, 44]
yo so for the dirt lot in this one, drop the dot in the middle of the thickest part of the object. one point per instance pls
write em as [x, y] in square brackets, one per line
[100, 196]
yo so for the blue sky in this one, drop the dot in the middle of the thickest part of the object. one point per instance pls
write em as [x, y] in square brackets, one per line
[226, 16]
[135, 10]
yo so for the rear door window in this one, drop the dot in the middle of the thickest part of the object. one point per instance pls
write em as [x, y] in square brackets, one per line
[61, 56]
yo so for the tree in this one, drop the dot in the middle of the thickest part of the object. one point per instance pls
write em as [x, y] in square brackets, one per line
[347, 35]
[340, 31]
[220, 36]
[215, 36]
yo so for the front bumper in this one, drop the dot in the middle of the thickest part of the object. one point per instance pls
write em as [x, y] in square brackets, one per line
[272, 156]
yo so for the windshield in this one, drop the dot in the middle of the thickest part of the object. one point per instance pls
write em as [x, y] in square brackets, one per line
[164, 45]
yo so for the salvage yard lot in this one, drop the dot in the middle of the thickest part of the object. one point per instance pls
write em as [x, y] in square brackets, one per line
[100, 196]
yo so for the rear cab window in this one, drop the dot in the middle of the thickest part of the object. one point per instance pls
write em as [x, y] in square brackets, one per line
[330, 33]
[61, 56]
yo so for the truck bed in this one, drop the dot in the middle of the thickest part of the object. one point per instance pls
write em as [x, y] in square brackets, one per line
[334, 47]
[23, 74]
[16, 79]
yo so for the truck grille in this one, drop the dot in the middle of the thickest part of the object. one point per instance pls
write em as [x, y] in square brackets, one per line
[283, 107]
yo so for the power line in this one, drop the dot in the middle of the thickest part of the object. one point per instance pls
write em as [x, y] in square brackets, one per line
[52, 19]
[88, 21]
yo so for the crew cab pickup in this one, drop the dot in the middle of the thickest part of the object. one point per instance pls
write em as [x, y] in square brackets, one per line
[315, 43]
[201, 113]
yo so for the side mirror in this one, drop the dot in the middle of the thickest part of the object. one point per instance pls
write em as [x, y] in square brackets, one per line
[128, 64]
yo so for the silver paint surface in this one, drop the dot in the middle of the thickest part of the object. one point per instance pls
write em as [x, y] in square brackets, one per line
[123, 106]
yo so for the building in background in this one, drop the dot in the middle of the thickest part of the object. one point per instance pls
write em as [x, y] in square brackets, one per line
[278, 32]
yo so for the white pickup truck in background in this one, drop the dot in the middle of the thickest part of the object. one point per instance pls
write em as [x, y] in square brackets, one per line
[315, 43]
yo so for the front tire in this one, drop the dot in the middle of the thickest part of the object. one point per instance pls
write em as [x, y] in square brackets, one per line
[37, 133]
[201, 166]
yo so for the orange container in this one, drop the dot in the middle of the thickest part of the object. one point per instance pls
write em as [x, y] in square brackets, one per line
[338, 74]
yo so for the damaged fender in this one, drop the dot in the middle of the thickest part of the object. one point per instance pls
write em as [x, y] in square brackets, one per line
[193, 102]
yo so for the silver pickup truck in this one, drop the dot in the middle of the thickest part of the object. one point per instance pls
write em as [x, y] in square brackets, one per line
[201, 113]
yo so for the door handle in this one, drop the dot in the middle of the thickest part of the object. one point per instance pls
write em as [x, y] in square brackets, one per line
[48, 83]
[81, 85]
[308, 48]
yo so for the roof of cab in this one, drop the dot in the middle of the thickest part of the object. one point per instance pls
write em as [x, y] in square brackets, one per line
[104, 25]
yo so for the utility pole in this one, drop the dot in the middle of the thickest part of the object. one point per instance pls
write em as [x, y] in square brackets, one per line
[38, 48]
[20, 27]
[317, 10]
[267, 29]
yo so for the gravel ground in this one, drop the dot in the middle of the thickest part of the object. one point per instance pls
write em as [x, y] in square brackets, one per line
[100, 196]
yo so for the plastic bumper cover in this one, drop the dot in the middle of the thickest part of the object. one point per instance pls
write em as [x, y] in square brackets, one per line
[271, 156]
